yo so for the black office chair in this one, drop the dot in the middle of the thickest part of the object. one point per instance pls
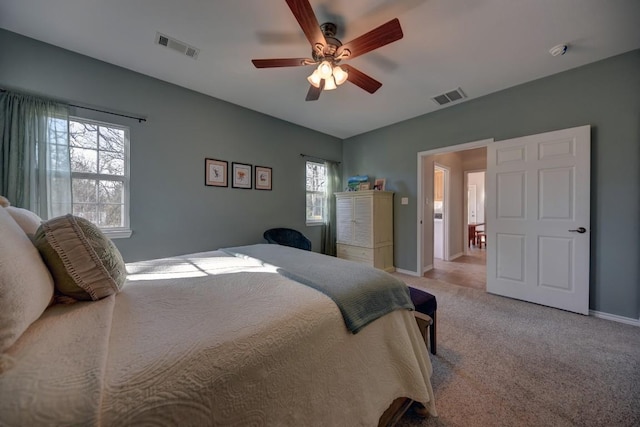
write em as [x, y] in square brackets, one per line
[287, 237]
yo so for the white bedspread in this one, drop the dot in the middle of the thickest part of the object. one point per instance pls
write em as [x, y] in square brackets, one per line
[210, 339]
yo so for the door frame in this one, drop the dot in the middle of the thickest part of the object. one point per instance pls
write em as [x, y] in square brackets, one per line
[445, 209]
[424, 203]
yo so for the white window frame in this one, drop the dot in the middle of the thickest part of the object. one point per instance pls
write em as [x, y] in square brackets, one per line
[314, 222]
[125, 230]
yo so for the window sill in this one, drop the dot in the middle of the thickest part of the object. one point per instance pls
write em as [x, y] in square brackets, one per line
[121, 233]
[314, 224]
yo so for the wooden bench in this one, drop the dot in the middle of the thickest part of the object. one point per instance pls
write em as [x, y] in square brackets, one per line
[426, 306]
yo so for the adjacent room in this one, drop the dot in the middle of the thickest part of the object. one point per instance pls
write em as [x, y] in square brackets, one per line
[276, 198]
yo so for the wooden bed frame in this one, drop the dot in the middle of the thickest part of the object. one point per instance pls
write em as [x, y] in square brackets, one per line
[396, 410]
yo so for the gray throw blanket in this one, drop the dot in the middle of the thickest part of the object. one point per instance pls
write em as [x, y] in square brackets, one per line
[362, 293]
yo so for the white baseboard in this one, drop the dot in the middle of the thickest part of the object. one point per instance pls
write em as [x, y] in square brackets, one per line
[407, 272]
[615, 318]
[456, 256]
[427, 268]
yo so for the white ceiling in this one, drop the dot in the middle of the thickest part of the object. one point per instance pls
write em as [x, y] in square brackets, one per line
[481, 46]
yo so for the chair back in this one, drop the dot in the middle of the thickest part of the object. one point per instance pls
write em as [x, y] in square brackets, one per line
[287, 237]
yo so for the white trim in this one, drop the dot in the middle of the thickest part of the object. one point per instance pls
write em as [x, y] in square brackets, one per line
[419, 215]
[446, 171]
[427, 268]
[456, 256]
[615, 318]
[420, 197]
[117, 234]
[407, 272]
[458, 147]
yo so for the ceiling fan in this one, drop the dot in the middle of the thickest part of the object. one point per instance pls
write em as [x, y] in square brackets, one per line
[327, 52]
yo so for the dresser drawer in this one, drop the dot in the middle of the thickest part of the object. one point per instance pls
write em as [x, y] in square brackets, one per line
[355, 253]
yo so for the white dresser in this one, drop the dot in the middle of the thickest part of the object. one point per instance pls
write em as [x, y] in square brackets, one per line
[364, 231]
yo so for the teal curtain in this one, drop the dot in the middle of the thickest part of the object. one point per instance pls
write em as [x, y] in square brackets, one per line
[328, 246]
[34, 154]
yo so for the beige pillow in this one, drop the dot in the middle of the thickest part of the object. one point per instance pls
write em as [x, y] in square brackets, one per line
[27, 220]
[84, 263]
[26, 287]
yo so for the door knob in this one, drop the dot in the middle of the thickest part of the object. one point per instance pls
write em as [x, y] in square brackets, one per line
[579, 230]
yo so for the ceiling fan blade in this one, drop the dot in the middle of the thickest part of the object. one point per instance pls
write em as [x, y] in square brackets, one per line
[281, 62]
[378, 37]
[307, 19]
[314, 92]
[360, 79]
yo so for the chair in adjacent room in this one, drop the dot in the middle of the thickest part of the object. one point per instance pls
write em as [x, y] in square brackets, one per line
[287, 237]
[481, 237]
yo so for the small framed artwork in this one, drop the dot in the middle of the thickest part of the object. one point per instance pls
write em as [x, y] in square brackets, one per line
[215, 173]
[241, 175]
[363, 186]
[263, 178]
[379, 184]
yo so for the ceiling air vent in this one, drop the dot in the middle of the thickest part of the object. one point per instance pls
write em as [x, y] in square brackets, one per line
[450, 96]
[177, 45]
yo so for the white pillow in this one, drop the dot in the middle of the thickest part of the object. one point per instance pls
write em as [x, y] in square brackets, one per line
[26, 287]
[27, 220]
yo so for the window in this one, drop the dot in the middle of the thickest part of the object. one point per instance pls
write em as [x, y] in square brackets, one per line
[100, 174]
[316, 192]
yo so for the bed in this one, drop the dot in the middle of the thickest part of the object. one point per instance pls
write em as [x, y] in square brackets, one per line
[213, 338]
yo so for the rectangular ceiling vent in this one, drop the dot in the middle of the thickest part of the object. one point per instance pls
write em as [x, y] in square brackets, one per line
[448, 97]
[177, 45]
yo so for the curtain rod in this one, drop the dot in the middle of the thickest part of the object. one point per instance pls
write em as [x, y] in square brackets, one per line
[139, 119]
[320, 158]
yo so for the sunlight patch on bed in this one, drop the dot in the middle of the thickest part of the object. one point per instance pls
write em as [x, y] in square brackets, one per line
[194, 267]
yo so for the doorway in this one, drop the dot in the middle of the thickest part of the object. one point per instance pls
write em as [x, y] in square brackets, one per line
[469, 269]
[457, 160]
[475, 210]
[440, 212]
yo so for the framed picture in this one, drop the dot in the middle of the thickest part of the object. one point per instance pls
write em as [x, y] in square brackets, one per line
[263, 178]
[363, 186]
[215, 173]
[241, 175]
[379, 184]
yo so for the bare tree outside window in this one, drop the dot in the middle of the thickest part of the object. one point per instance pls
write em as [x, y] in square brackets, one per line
[316, 187]
[99, 172]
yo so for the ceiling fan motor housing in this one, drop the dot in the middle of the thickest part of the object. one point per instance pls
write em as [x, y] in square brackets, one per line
[329, 50]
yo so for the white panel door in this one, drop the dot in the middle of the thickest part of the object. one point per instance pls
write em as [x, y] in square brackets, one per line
[538, 196]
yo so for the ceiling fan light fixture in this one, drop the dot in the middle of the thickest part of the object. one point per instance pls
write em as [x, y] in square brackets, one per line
[314, 78]
[330, 83]
[339, 75]
[325, 69]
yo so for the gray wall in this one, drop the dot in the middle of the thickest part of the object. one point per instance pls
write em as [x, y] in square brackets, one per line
[172, 212]
[605, 95]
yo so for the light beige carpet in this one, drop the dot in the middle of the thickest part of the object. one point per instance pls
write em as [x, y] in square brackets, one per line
[503, 362]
